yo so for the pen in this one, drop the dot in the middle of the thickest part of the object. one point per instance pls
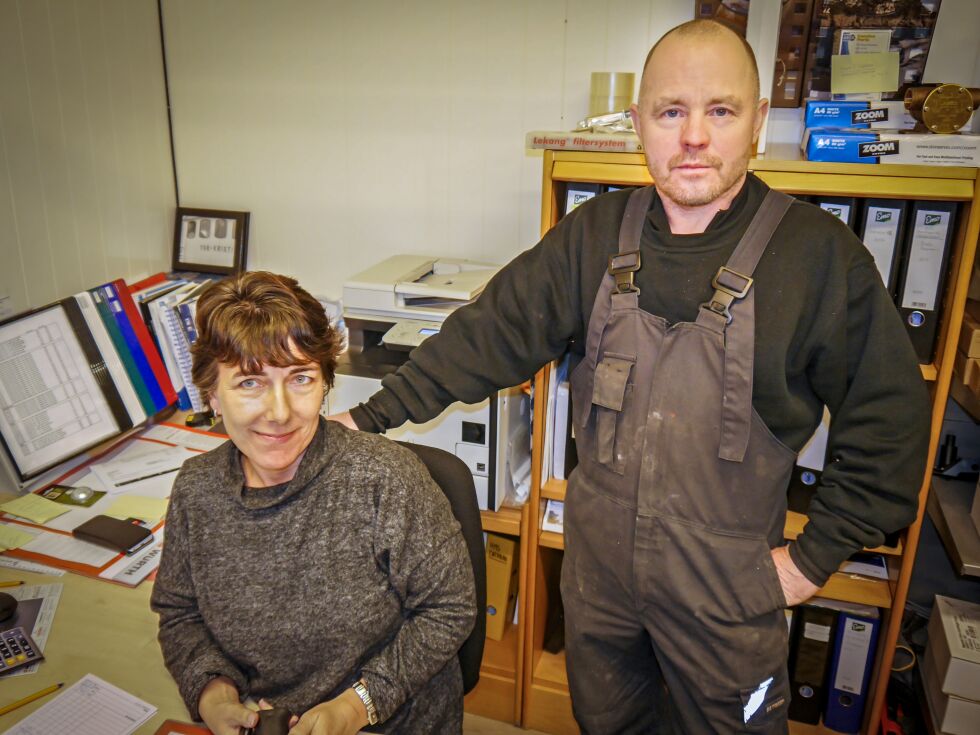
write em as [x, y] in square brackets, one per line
[15, 583]
[30, 698]
[146, 477]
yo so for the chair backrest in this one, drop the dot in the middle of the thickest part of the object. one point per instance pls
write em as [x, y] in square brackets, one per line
[455, 480]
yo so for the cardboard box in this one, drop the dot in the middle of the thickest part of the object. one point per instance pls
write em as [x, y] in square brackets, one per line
[502, 556]
[954, 644]
[891, 146]
[950, 715]
[968, 371]
[969, 343]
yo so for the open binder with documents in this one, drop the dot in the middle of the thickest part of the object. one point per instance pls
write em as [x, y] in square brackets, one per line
[51, 542]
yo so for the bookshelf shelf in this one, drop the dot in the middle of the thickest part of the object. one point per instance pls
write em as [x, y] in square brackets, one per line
[499, 693]
[551, 540]
[506, 520]
[554, 489]
[550, 669]
[546, 704]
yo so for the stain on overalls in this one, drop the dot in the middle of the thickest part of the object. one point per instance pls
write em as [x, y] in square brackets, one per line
[674, 611]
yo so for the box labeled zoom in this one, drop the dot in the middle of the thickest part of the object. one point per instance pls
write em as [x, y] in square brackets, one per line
[892, 146]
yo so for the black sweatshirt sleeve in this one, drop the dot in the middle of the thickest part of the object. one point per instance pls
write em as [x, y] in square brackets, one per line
[523, 319]
[879, 429]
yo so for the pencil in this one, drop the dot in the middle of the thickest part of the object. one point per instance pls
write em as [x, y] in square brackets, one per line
[30, 698]
[16, 583]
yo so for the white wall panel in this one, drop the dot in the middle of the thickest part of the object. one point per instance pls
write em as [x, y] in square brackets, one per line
[86, 189]
[350, 130]
[353, 131]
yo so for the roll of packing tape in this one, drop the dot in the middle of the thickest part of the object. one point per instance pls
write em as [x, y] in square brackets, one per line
[611, 91]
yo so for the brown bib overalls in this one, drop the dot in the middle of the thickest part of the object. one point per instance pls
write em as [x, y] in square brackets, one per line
[674, 611]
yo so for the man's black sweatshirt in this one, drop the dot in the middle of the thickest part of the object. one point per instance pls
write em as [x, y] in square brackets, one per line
[827, 333]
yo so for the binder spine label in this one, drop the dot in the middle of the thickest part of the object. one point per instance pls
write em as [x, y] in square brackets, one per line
[880, 237]
[816, 632]
[855, 644]
[925, 259]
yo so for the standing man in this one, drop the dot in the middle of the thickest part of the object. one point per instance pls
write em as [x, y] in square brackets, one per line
[715, 319]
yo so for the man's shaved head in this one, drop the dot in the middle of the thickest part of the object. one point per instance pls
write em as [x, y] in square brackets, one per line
[705, 30]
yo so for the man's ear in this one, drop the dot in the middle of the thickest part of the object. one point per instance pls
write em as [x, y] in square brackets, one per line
[760, 117]
[635, 117]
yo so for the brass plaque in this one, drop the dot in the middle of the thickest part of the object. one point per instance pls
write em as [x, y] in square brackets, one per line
[944, 108]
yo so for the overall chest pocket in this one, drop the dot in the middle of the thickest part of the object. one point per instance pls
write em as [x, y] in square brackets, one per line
[610, 394]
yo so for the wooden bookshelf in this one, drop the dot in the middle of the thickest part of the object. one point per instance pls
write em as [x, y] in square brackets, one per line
[546, 702]
[506, 521]
[499, 693]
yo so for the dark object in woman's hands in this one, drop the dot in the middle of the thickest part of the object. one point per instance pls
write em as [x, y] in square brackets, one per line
[273, 721]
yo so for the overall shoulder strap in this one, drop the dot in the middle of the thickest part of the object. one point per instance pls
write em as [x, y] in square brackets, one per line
[733, 284]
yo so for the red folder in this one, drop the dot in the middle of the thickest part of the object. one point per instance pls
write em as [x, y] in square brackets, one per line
[145, 340]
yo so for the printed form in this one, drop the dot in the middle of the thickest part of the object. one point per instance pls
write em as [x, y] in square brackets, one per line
[90, 706]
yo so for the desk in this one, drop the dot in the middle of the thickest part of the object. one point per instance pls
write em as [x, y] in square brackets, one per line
[103, 629]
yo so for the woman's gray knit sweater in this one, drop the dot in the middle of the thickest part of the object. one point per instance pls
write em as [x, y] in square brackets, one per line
[355, 568]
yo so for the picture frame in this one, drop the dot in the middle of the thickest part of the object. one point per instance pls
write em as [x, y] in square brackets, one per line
[210, 240]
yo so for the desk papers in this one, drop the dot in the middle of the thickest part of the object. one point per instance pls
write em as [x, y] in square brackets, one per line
[33, 508]
[90, 706]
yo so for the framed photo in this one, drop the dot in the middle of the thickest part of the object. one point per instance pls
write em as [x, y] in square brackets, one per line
[210, 240]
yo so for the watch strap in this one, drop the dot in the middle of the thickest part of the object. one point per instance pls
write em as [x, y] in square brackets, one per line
[362, 691]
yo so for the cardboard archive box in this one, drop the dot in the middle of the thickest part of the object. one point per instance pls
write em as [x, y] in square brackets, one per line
[954, 643]
[950, 715]
[502, 554]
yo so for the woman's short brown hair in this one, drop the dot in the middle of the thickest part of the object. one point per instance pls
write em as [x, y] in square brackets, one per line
[253, 319]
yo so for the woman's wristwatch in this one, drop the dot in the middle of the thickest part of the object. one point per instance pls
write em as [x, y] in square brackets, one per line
[361, 690]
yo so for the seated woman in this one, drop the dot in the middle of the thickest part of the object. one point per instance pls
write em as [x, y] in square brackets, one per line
[315, 567]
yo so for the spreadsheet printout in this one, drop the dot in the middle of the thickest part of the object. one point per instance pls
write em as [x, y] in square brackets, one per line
[90, 706]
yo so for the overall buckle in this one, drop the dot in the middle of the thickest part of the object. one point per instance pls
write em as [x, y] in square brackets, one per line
[729, 285]
[622, 266]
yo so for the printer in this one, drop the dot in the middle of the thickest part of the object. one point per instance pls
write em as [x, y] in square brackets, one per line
[391, 308]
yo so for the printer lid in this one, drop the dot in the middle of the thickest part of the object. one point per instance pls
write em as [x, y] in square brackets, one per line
[449, 278]
[416, 286]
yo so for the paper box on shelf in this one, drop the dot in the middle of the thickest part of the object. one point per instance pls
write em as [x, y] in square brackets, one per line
[891, 146]
[967, 369]
[502, 553]
[888, 114]
[969, 343]
[950, 715]
[954, 644]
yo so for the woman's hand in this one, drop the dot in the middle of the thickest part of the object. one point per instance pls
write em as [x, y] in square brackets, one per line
[220, 709]
[343, 715]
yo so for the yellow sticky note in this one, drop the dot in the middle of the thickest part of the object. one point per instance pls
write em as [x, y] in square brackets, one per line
[146, 509]
[34, 508]
[857, 73]
[12, 537]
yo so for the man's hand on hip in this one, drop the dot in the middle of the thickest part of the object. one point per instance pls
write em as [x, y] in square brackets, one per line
[796, 587]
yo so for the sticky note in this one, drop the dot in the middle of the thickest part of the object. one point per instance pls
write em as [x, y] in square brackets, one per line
[12, 537]
[146, 509]
[856, 73]
[34, 508]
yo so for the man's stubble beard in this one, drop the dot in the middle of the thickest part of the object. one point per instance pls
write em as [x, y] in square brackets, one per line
[699, 195]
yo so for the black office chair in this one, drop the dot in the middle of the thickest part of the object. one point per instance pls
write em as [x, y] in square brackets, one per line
[455, 479]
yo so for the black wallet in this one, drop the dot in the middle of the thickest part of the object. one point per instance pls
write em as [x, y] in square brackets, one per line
[114, 534]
